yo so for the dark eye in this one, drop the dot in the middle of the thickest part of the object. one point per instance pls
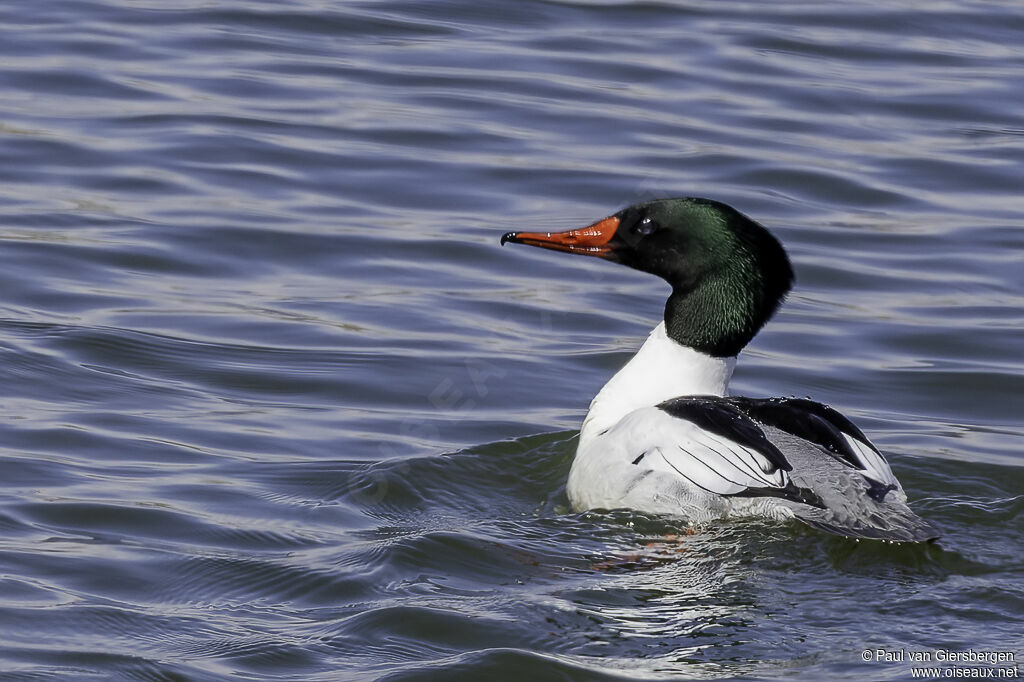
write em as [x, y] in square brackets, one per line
[645, 226]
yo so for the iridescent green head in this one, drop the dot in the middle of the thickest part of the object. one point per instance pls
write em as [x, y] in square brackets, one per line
[728, 273]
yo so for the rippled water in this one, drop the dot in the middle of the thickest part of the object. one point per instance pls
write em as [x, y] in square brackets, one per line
[275, 405]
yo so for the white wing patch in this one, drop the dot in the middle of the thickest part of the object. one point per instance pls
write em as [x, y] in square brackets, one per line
[704, 459]
[874, 464]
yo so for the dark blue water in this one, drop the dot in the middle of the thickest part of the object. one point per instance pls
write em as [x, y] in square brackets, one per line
[274, 404]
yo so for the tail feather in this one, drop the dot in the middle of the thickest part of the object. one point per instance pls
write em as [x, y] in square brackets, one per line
[896, 522]
[846, 501]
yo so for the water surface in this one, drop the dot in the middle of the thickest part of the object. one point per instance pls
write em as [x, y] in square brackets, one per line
[274, 404]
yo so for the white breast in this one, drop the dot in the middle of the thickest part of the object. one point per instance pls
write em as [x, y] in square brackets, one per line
[661, 369]
[622, 424]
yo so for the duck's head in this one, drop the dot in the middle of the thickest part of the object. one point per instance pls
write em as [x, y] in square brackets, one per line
[728, 273]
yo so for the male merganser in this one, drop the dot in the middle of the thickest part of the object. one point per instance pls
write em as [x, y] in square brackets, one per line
[662, 437]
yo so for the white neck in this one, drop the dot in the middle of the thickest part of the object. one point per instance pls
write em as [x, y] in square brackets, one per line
[660, 370]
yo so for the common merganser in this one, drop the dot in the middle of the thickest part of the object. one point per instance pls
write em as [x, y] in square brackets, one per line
[662, 436]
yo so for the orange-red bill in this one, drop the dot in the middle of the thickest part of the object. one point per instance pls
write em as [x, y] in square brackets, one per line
[590, 241]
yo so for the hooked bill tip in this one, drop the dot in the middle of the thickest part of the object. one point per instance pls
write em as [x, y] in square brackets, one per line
[507, 237]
